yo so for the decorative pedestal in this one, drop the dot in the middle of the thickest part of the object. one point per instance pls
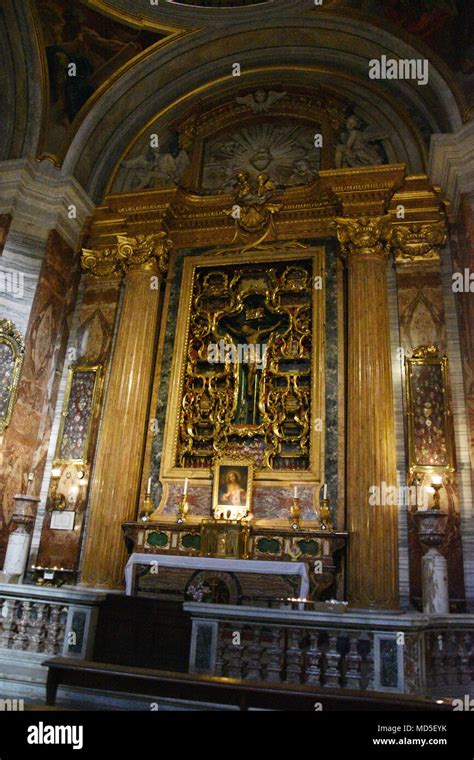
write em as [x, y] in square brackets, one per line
[23, 519]
[431, 530]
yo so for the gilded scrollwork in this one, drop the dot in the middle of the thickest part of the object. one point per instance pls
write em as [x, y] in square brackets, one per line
[100, 262]
[144, 251]
[367, 236]
[418, 242]
[248, 365]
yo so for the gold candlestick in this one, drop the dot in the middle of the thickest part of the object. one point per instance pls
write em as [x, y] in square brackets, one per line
[295, 512]
[436, 485]
[147, 508]
[183, 509]
[325, 515]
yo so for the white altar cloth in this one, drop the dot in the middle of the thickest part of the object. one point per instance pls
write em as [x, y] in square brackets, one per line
[214, 563]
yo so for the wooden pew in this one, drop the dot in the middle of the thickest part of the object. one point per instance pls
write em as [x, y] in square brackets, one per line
[222, 691]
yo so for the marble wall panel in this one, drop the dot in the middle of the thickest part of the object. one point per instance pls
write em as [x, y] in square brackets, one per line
[463, 263]
[25, 442]
[90, 343]
[423, 321]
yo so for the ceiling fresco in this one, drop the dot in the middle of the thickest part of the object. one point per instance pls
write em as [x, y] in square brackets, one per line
[82, 49]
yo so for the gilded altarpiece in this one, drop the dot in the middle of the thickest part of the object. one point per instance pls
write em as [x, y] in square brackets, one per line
[248, 367]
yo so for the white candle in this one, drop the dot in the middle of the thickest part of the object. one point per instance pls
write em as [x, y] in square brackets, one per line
[185, 487]
[325, 491]
[148, 488]
[295, 492]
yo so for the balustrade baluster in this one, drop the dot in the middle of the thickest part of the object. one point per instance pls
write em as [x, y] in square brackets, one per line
[366, 650]
[37, 628]
[464, 656]
[254, 656]
[353, 663]
[332, 675]
[439, 654]
[313, 659]
[220, 651]
[453, 670]
[294, 656]
[20, 637]
[55, 629]
[273, 655]
[9, 608]
[234, 655]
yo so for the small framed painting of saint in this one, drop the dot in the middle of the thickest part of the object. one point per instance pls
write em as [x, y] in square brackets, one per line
[232, 491]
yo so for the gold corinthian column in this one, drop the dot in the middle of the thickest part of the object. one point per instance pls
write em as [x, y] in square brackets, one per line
[117, 471]
[373, 532]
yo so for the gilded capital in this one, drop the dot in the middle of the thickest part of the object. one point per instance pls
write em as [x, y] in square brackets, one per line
[144, 252]
[100, 262]
[418, 242]
[364, 237]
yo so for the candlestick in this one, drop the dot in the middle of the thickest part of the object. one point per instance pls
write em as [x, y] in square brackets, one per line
[185, 487]
[325, 515]
[436, 485]
[295, 513]
[295, 492]
[183, 509]
[147, 508]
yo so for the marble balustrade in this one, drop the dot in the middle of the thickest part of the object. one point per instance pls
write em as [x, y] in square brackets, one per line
[412, 653]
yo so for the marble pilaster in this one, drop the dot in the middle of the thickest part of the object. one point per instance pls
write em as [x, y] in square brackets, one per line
[373, 547]
[116, 480]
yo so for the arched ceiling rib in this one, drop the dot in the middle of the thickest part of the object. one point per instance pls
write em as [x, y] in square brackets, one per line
[285, 40]
[200, 61]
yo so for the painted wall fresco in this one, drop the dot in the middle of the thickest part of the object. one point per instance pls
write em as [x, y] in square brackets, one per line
[446, 26]
[94, 45]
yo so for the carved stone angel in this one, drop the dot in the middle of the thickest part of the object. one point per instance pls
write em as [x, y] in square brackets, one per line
[260, 101]
[357, 146]
[154, 169]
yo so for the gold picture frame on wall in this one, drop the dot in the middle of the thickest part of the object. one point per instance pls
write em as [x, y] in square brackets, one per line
[429, 418]
[232, 488]
[12, 350]
[80, 409]
[289, 255]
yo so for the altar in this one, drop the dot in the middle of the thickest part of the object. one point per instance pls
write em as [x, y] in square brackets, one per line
[249, 562]
[226, 566]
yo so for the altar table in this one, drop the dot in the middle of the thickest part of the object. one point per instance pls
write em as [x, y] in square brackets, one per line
[213, 563]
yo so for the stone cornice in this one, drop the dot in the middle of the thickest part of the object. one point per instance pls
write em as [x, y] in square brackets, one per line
[193, 220]
[451, 162]
[37, 194]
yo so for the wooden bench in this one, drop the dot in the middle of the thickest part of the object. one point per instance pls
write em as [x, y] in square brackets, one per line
[222, 691]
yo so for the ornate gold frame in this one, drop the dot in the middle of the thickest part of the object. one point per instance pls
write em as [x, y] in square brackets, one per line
[232, 462]
[10, 336]
[272, 252]
[423, 356]
[96, 393]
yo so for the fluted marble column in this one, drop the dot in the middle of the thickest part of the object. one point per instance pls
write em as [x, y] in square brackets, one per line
[117, 471]
[373, 530]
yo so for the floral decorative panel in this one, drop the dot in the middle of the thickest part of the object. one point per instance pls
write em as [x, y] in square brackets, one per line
[430, 432]
[79, 408]
[7, 367]
[11, 358]
[429, 416]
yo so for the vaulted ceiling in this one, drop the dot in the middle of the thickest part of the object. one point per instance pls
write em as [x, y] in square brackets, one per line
[144, 66]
